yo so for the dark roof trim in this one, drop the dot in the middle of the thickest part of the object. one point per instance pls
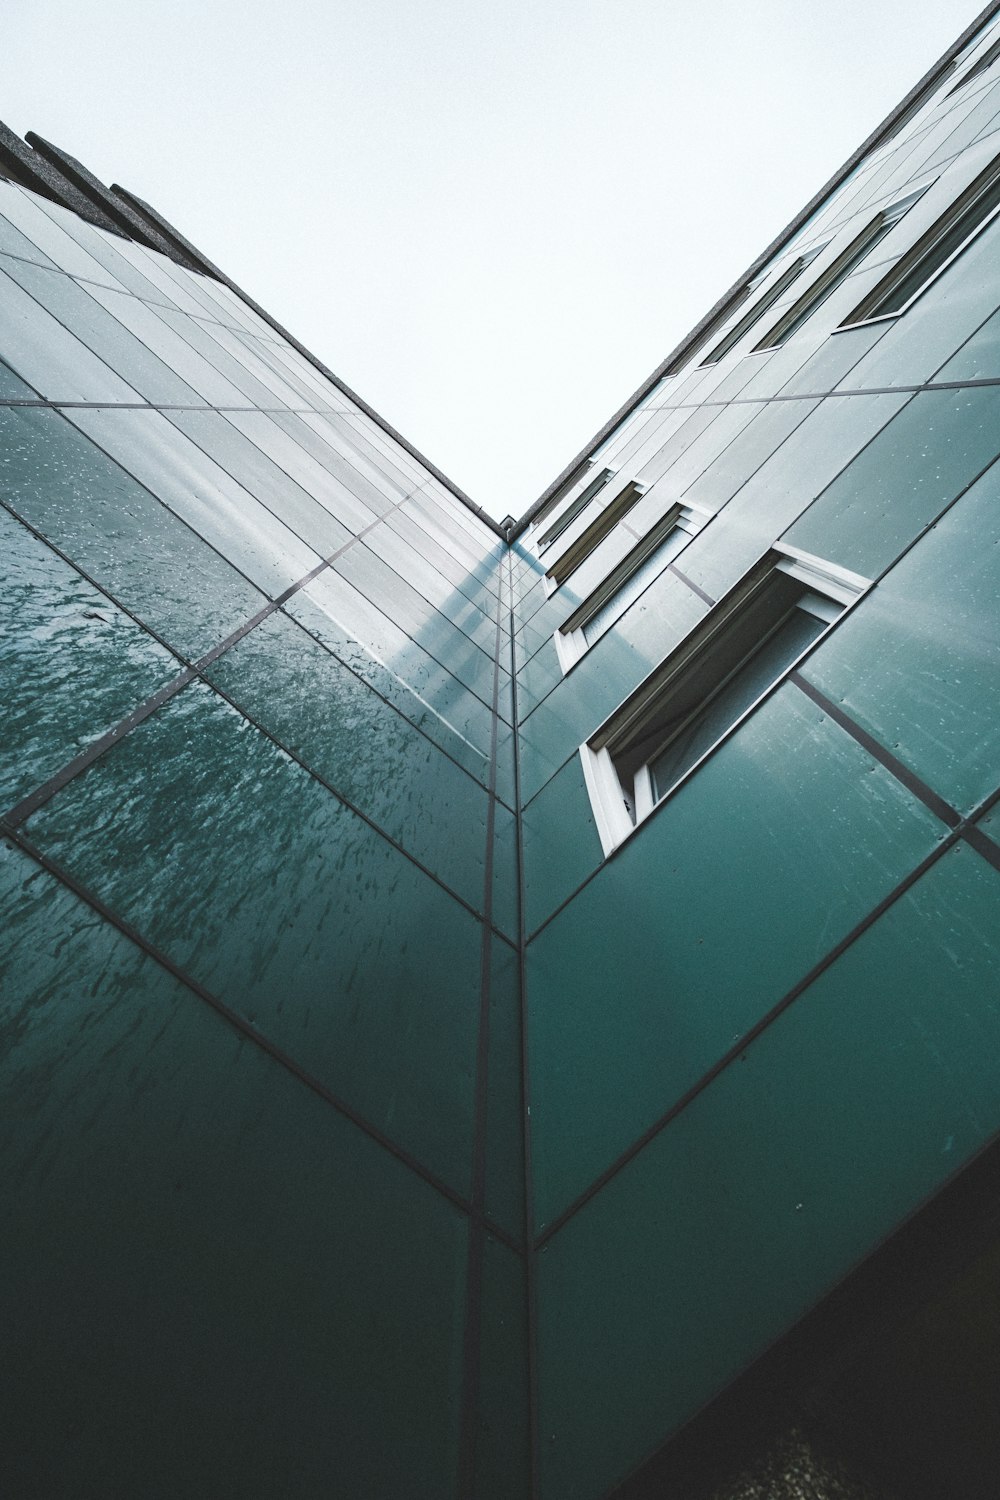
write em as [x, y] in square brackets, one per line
[881, 132]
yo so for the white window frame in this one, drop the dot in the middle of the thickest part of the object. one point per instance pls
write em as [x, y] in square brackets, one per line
[985, 182]
[828, 591]
[570, 639]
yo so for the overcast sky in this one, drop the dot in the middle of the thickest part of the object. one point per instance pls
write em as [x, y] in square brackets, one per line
[491, 219]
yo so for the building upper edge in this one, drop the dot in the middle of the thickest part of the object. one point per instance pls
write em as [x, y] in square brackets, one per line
[44, 168]
[693, 337]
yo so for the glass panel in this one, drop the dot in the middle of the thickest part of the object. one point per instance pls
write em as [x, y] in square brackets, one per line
[769, 662]
[634, 586]
[502, 1469]
[850, 1110]
[78, 311]
[48, 357]
[256, 880]
[229, 518]
[216, 436]
[916, 662]
[718, 904]
[363, 747]
[560, 844]
[72, 664]
[505, 1103]
[903, 480]
[211, 1282]
[768, 428]
[119, 533]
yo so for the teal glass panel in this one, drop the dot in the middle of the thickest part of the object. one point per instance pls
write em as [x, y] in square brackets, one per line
[48, 357]
[723, 424]
[119, 533]
[313, 464]
[916, 662]
[72, 665]
[476, 620]
[42, 224]
[184, 479]
[560, 842]
[540, 673]
[211, 1283]
[722, 900]
[831, 362]
[505, 877]
[504, 1098]
[766, 431]
[903, 480]
[387, 590]
[255, 879]
[340, 456]
[363, 747]
[13, 388]
[864, 1097]
[502, 1454]
[399, 671]
[84, 316]
[156, 335]
[925, 336]
[783, 487]
[216, 436]
[247, 375]
[979, 356]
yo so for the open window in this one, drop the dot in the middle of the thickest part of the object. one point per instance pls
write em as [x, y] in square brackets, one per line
[618, 503]
[575, 508]
[935, 250]
[747, 643]
[838, 270]
[763, 305]
[623, 585]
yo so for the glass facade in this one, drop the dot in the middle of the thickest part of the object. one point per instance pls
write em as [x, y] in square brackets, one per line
[391, 1109]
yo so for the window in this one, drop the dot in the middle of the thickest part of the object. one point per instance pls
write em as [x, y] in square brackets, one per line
[933, 251]
[619, 502]
[746, 643]
[623, 585]
[987, 60]
[838, 271]
[576, 508]
[765, 303]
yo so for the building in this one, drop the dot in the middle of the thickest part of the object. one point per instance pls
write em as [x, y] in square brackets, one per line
[505, 1011]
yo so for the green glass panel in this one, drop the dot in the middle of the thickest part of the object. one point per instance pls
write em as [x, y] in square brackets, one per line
[502, 1455]
[277, 898]
[720, 902]
[211, 1282]
[830, 363]
[12, 388]
[368, 752]
[504, 1100]
[354, 627]
[979, 357]
[54, 361]
[783, 487]
[765, 432]
[215, 435]
[202, 494]
[902, 481]
[916, 662]
[84, 316]
[560, 842]
[864, 1097]
[72, 665]
[461, 728]
[313, 464]
[929, 332]
[505, 879]
[119, 533]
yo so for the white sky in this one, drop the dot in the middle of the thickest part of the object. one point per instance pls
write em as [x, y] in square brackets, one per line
[491, 220]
